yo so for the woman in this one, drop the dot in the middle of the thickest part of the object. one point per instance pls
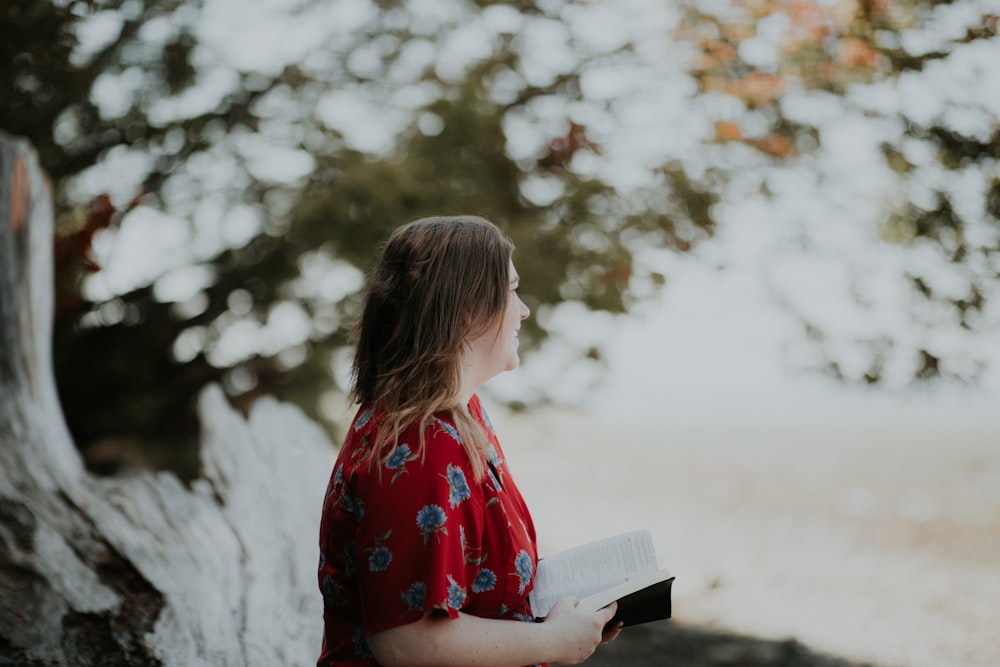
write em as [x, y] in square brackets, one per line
[427, 547]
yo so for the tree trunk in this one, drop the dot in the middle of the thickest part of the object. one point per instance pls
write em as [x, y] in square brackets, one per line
[142, 570]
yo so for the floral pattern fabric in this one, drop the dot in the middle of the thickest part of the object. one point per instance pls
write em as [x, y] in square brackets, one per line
[419, 533]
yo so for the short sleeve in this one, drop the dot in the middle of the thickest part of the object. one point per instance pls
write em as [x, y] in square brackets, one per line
[414, 531]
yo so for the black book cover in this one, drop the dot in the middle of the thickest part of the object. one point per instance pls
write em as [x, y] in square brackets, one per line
[645, 605]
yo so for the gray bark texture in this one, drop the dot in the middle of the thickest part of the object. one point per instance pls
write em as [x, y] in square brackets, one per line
[141, 569]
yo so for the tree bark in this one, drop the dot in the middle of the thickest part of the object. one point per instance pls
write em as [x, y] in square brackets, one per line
[141, 569]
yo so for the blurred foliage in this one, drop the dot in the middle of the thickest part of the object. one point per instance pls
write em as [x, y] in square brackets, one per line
[194, 130]
[128, 367]
[831, 47]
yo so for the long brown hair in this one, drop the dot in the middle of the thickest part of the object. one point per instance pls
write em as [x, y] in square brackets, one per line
[438, 282]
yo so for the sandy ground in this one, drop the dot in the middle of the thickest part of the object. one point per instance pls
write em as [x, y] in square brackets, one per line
[873, 541]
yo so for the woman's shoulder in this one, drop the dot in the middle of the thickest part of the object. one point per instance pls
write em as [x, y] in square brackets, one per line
[438, 436]
[364, 418]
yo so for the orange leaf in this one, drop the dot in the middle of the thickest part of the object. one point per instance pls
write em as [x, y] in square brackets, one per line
[758, 89]
[775, 144]
[855, 53]
[721, 50]
[726, 130]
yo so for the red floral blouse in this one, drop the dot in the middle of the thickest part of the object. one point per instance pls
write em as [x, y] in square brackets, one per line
[417, 535]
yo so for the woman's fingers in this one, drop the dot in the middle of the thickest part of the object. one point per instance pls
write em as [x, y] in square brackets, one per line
[611, 634]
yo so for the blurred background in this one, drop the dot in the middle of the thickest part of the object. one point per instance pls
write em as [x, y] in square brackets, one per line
[760, 241]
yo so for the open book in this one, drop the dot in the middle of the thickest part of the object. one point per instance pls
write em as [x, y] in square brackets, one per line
[621, 568]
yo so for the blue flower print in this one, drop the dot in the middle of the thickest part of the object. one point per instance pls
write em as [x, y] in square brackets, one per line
[379, 559]
[486, 418]
[363, 419]
[485, 581]
[523, 568]
[449, 429]
[360, 643]
[329, 489]
[398, 457]
[355, 506]
[494, 458]
[456, 594]
[397, 460]
[415, 595]
[332, 593]
[496, 471]
[430, 519]
[457, 485]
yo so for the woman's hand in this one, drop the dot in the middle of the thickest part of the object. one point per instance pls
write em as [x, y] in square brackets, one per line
[576, 633]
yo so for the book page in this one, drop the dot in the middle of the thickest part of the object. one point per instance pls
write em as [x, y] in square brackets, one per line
[591, 568]
[609, 595]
